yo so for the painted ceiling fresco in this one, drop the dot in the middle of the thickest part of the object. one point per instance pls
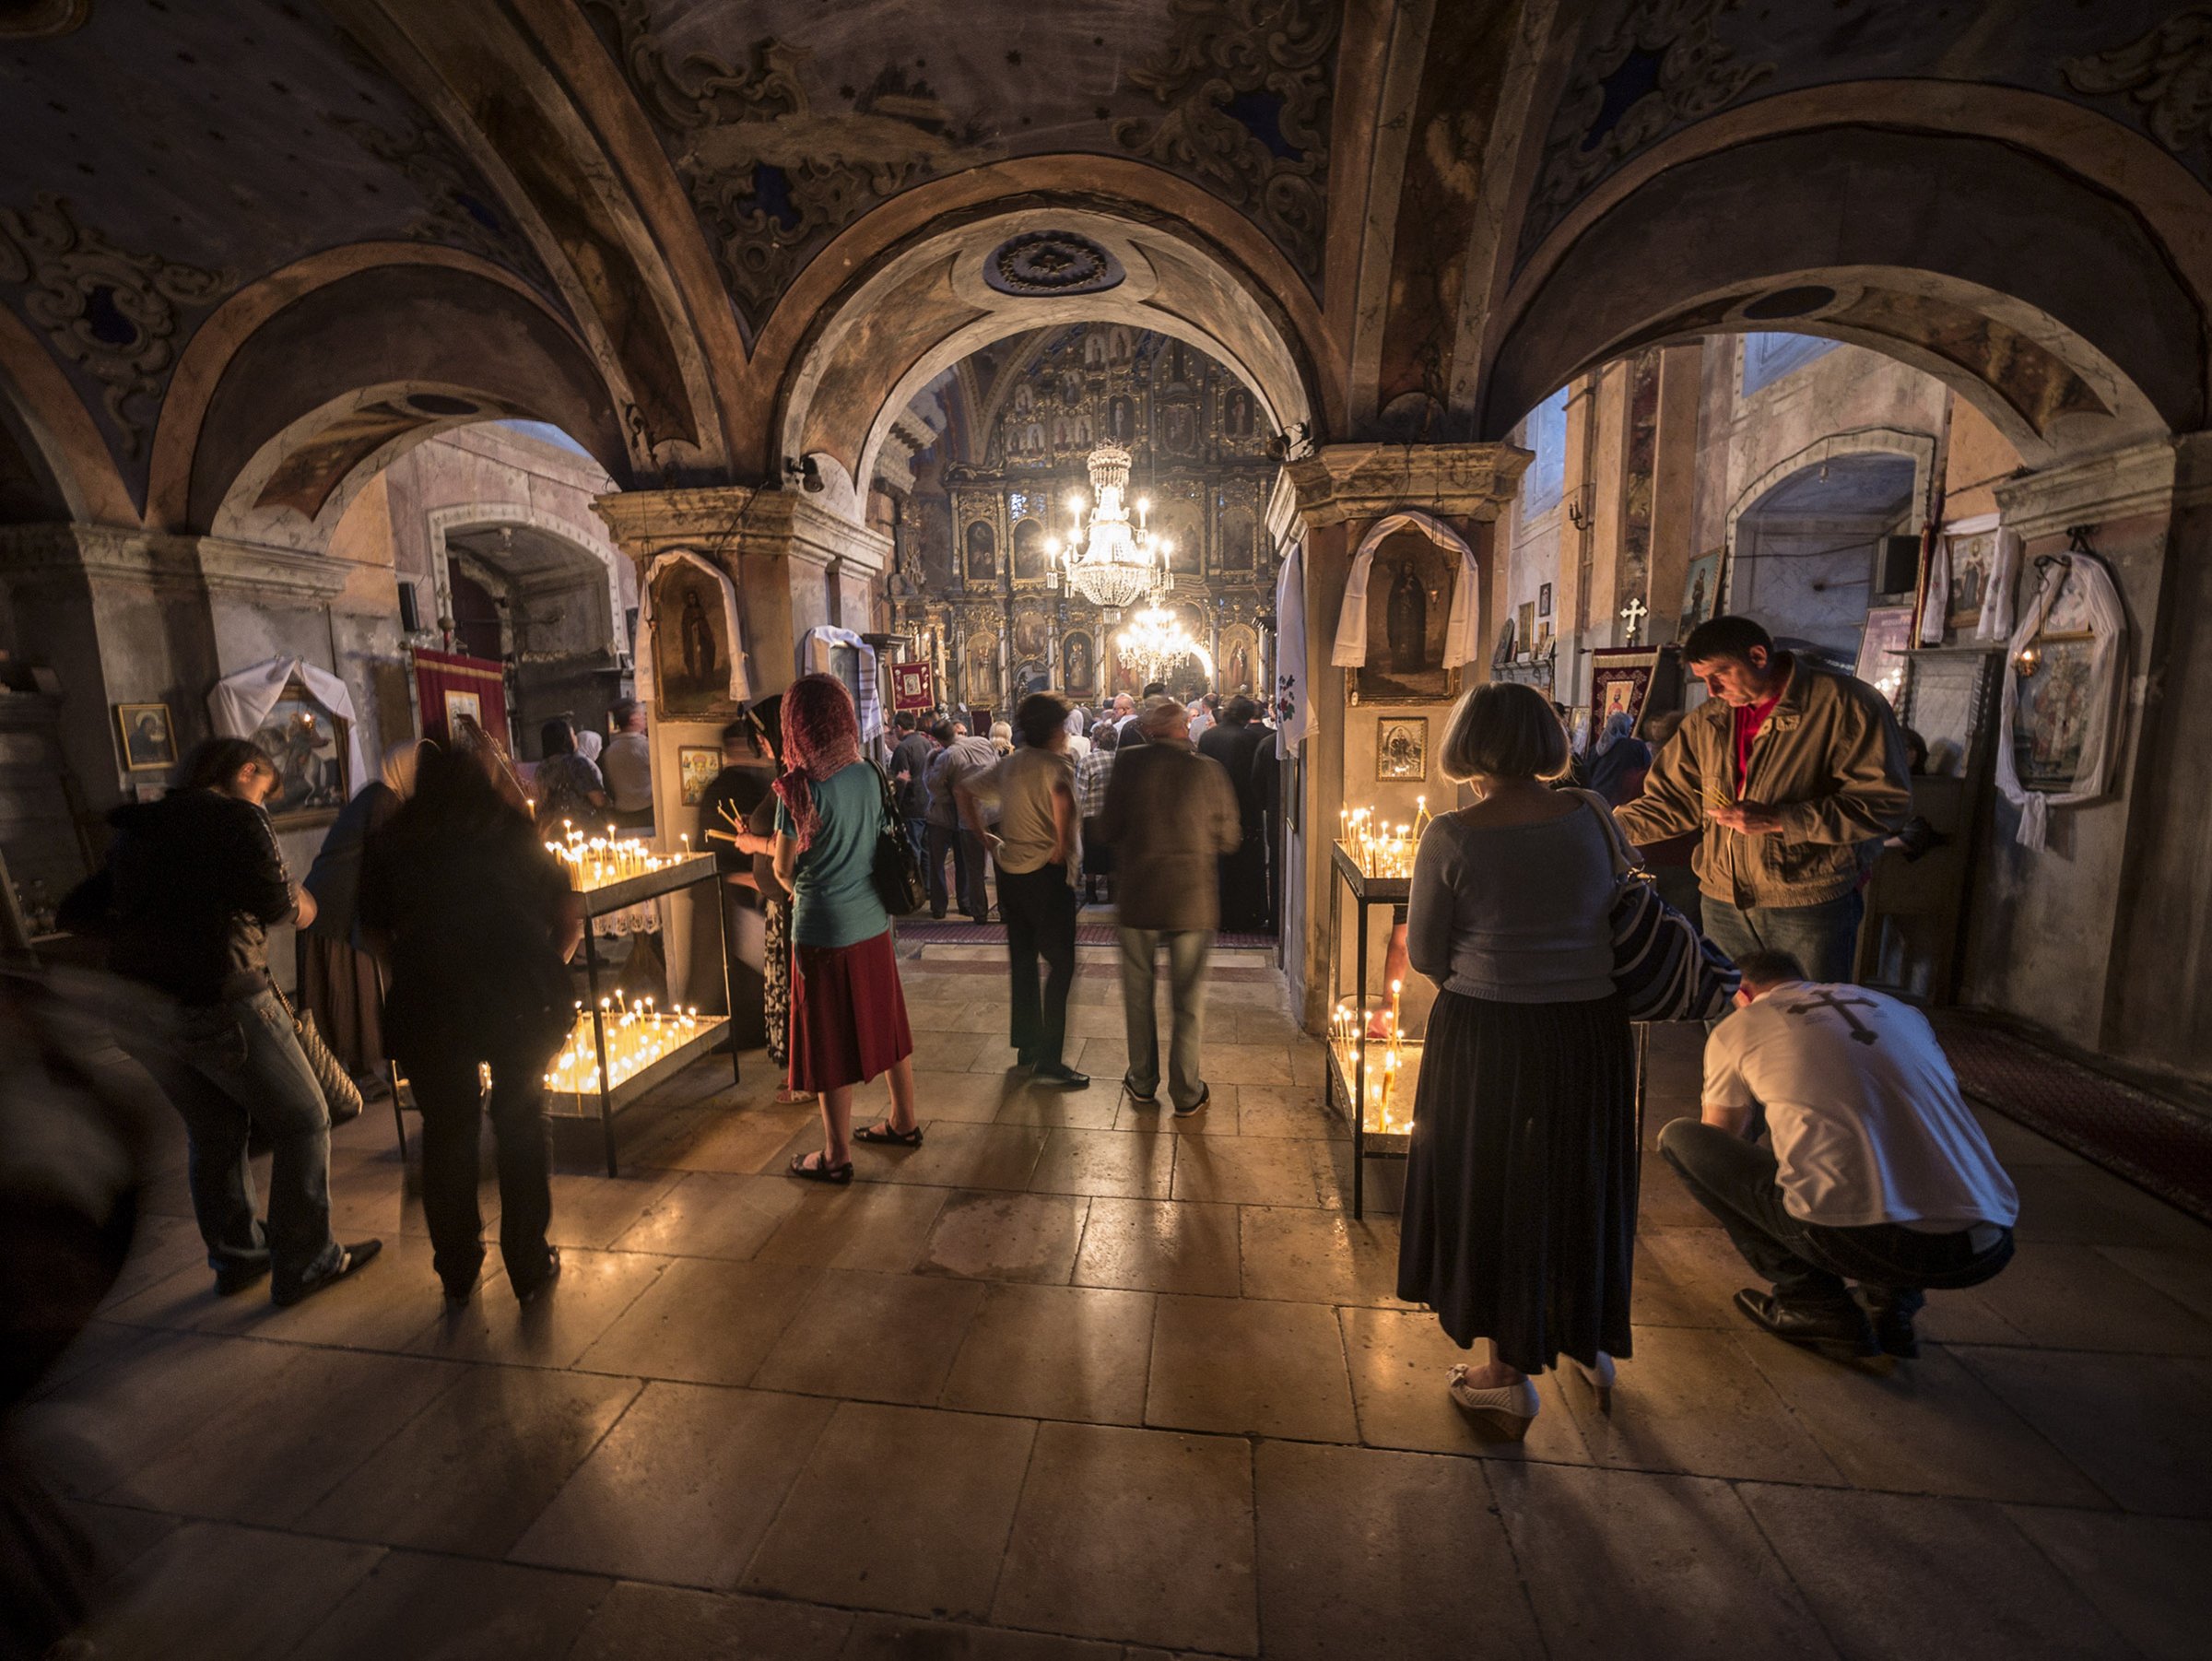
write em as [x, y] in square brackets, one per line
[1647, 68]
[167, 152]
[789, 119]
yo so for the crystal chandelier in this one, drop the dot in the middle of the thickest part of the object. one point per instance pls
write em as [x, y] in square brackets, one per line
[1155, 641]
[1115, 567]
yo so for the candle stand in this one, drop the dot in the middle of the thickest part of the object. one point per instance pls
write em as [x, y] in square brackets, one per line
[1377, 1089]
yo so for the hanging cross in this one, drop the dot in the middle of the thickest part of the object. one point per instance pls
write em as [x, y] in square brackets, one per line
[1844, 1007]
[1633, 614]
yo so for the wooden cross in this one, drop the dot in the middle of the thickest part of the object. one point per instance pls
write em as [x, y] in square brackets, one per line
[1633, 614]
[1844, 1007]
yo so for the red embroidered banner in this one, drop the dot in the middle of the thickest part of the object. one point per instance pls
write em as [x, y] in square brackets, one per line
[913, 687]
[448, 685]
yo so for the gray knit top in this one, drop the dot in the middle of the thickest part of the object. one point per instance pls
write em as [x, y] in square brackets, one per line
[1515, 913]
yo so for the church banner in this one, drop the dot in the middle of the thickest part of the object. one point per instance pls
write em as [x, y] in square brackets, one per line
[913, 687]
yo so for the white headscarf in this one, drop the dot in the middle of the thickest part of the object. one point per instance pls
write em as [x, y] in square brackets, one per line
[588, 745]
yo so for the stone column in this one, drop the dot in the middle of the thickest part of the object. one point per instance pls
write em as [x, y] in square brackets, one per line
[1341, 491]
[782, 550]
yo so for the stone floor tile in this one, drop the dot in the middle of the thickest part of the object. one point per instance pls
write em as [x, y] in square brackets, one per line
[1246, 1367]
[2185, 1277]
[1055, 1352]
[1317, 1257]
[2145, 1575]
[1685, 1277]
[593, 1289]
[670, 1623]
[1364, 1552]
[704, 1321]
[1697, 1581]
[1006, 1237]
[1098, 1021]
[1140, 1536]
[1254, 1025]
[214, 1588]
[159, 1247]
[269, 1454]
[1160, 1245]
[98, 1343]
[1097, 1108]
[878, 1225]
[121, 1535]
[1244, 1064]
[1977, 1589]
[874, 1338]
[386, 1306]
[1928, 1426]
[1281, 1110]
[711, 1214]
[2135, 1425]
[594, 1209]
[1127, 1164]
[903, 1509]
[469, 1610]
[969, 1156]
[1690, 1401]
[1663, 1201]
[735, 1143]
[947, 1052]
[1217, 1118]
[974, 1097]
[1398, 1361]
[473, 1469]
[114, 1420]
[2015, 1145]
[682, 1488]
[890, 1638]
[2062, 1296]
[2090, 1207]
[1252, 1171]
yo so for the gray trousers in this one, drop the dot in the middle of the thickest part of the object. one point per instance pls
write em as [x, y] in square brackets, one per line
[1188, 949]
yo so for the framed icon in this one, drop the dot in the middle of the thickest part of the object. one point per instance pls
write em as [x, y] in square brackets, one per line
[149, 740]
[696, 765]
[1402, 748]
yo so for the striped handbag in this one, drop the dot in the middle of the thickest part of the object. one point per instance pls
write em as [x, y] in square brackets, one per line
[1664, 968]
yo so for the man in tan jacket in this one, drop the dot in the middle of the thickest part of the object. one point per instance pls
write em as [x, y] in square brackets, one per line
[1792, 775]
[1170, 814]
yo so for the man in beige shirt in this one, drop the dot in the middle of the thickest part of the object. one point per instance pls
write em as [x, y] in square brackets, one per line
[1035, 849]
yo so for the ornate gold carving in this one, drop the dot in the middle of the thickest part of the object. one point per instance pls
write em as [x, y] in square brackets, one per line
[2167, 73]
[116, 313]
[1273, 57]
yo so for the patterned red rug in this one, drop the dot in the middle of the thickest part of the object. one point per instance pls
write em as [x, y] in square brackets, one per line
[929, 931]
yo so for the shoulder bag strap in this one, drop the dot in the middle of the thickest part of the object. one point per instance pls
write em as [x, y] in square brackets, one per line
[1625, 864]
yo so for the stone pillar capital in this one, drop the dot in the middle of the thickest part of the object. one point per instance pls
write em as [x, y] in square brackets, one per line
[1343, 484]
[730, 524]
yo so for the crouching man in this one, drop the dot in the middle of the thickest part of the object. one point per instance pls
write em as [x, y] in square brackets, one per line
[1877, 1174]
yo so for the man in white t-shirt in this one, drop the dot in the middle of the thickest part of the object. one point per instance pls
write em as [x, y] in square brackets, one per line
[1878, 1172]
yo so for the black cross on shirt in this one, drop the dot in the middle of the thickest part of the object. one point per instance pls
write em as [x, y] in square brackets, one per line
[1844, 1007]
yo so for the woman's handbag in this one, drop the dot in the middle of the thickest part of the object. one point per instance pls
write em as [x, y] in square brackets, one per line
[339, 1092]
[896, 873]
[1662, 968]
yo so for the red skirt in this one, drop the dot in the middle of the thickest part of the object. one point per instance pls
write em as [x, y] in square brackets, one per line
[848, 1014]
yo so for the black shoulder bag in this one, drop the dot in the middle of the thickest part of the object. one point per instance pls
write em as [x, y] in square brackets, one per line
[896, 873]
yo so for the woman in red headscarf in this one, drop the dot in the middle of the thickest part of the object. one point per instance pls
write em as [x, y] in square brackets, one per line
[848, 1013]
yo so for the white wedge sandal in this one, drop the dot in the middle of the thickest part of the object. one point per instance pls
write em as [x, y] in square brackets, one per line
[1507, 1410]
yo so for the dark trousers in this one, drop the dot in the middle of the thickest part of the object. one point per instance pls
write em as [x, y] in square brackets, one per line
[967, 851]
[1824, 938]
[1737, 1182]
[446, 1089]
[1040, 911]
[230, 1069]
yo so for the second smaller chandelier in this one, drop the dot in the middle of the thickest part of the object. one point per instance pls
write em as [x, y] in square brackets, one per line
[1114, 566]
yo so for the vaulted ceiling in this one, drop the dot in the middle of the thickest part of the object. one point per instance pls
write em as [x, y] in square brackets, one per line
[700, 236]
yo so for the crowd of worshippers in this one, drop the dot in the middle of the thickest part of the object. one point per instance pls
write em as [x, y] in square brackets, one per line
[1834, 1144]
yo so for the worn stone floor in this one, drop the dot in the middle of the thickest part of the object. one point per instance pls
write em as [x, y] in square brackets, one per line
[1074, 1381]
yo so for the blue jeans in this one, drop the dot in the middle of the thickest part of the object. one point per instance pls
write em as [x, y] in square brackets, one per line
[917, 832]
[226, 1068]
[1188, 949]
[1823, 938]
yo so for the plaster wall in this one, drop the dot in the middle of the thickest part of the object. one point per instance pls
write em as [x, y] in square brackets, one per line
[1976, 458]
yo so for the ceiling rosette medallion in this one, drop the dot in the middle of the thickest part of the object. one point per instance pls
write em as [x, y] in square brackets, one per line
[1051, 263]
[1246, 83]
[118, 315]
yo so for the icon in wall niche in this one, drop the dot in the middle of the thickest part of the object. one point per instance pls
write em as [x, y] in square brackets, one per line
[691, 646]
[148, 740]
[1402, 748]
[1700, 591]
[696, 765]
[307, 744]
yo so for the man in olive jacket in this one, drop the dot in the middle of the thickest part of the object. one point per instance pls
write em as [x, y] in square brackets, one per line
[1170, 814]
[1792, 775]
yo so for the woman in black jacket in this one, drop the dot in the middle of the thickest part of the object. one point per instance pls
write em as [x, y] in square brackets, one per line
[475, 921]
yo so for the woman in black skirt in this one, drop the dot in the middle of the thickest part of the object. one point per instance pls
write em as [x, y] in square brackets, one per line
[1520, 1220]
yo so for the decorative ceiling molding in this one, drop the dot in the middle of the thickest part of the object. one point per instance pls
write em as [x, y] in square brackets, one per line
[116, 314]
[1232, 68]
[2166, 73]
